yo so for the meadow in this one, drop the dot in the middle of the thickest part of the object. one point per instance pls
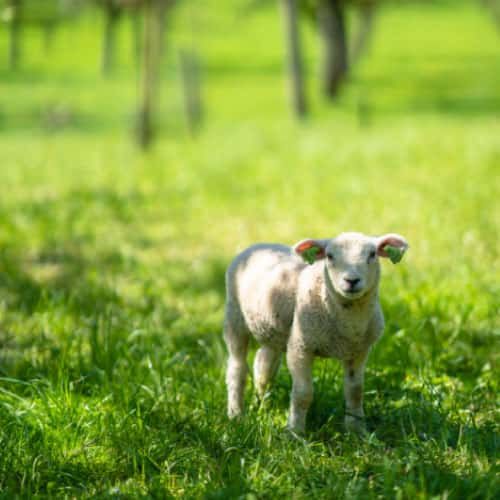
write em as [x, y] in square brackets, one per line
[112, 261]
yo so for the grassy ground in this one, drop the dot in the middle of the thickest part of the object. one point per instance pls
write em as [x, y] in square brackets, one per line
[112, 262]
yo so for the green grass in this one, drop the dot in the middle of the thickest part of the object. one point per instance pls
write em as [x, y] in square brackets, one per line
[112, 264]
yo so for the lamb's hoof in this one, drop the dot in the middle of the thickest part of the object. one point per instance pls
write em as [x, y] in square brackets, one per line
[235, 413]
[355, 425]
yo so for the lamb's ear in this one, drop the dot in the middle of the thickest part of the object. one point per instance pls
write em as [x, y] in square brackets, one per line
[311, 250]
[392, 246]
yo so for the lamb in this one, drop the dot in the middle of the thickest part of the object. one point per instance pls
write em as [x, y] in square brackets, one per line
[328, 309]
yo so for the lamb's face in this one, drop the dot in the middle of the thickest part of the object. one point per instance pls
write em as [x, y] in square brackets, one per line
[352, 264]
[351, 259]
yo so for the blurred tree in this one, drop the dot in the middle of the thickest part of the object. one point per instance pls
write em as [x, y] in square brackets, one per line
[340, 51]
[154, 22]
[12, 16]
[332, 26]
[148, 52]
[112, 10]
[45, 15]
[294, 54]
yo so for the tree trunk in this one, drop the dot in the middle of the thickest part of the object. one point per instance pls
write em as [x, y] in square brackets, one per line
[364, 31]
[154, 11]
[15, 35]
[294, 55]
[333, 30]
[112, 15]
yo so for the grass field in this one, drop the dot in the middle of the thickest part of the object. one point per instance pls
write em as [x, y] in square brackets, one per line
[112, 263]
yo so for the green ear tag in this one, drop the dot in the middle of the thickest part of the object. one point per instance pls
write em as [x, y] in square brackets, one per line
[309, 255]
[394, 253]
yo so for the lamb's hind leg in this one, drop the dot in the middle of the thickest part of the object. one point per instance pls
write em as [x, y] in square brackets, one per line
[265, 366]
[237, 370]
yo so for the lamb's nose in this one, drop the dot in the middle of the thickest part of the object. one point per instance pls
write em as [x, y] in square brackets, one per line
[352, 281]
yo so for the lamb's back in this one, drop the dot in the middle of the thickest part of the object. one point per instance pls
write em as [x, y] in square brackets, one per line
[262, 283]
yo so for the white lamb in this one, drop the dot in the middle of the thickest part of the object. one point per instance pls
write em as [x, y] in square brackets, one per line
[328, 309]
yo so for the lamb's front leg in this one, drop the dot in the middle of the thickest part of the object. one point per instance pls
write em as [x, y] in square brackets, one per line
[300, 367]
[354, 374]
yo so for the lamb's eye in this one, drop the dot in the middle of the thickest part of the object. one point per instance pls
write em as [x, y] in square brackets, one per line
[371, 255]
[329, 256]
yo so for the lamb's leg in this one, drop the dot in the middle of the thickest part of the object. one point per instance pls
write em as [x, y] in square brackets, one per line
[354, 373]
[265, 366]
[237, 370]
[300, 367]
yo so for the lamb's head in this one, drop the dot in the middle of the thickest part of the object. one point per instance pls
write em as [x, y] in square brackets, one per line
[351, 260]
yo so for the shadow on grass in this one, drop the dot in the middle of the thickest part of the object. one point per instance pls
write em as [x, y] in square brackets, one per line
[399, 415]
[199, 277]
[64, 292]
[410, 419]
[66, 282]
[414, 438]
[66, 264]
[90, 319]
